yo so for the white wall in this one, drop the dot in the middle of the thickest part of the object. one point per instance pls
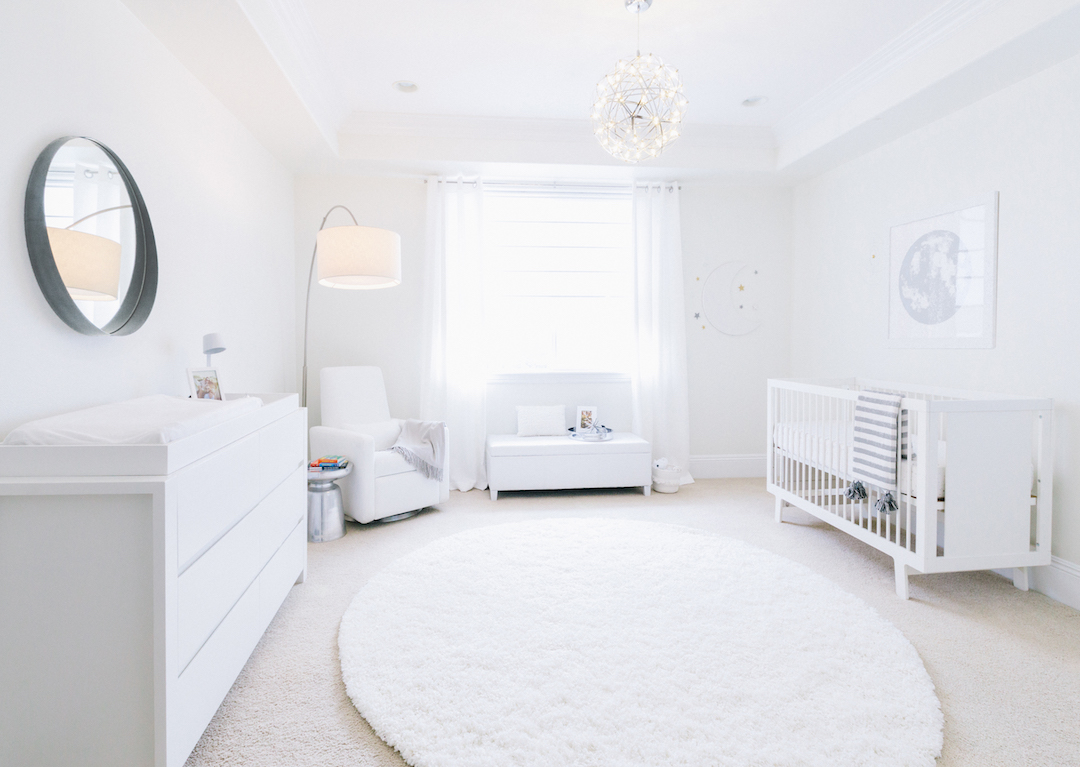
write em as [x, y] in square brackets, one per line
[384, 327]
[728, 373]
[220, 206]
[1024, 142]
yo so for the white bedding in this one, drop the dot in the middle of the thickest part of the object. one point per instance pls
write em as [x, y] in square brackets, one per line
[154, 420]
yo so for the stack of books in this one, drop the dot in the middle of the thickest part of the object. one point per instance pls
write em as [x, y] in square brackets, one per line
[329, 463]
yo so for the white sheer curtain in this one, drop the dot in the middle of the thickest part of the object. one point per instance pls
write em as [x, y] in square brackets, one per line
[455, 376]
[661, 399]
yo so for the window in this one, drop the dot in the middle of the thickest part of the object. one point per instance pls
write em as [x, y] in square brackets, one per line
[558, 280]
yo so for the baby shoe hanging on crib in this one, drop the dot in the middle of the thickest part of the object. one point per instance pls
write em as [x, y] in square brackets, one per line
[856, 491]
[886, 504]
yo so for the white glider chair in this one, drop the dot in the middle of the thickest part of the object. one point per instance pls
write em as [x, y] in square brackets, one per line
[357, 424]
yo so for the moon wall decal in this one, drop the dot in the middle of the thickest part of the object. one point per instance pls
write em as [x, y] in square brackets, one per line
[731, 298]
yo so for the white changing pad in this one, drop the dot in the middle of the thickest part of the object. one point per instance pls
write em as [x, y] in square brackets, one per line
[154, 420]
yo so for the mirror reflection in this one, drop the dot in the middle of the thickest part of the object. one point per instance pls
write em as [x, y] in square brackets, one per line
[91, 228]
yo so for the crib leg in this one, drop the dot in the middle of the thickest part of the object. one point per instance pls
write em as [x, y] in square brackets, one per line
[1021, 578]
[902, 572]
[779, 510]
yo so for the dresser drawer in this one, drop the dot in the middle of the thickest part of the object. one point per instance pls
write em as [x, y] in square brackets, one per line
[282, 447]
[209, 588]
[217, 491]
[208, 677]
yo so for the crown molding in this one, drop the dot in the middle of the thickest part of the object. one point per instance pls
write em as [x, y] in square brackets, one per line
[289, 34]
[405, 139]
[466, 127]
[538, 129]
[945, 21]
[217, 43]
[978, 49]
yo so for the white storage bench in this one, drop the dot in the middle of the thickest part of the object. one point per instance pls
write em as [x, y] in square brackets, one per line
[564, 463]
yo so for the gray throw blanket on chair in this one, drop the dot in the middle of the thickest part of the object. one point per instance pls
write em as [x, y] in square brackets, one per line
[873, 459]
[423, 445]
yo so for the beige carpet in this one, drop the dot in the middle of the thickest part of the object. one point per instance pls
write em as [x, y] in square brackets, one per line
[1006, 663]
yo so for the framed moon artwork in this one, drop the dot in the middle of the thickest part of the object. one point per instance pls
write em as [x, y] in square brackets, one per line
[943, 278]
[731, 298]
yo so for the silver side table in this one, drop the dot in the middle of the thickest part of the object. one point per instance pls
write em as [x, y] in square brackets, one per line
[325, 512]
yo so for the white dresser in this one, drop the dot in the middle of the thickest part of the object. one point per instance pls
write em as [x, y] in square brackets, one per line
[135, 581]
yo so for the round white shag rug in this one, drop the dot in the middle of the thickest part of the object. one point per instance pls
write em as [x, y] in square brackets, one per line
[626, 644]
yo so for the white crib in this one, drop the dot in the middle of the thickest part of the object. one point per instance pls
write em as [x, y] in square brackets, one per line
[975, 486]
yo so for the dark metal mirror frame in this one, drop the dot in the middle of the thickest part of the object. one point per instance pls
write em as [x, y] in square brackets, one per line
[139, 298]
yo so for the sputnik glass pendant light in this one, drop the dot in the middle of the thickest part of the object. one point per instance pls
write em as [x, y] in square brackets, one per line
[640, 105]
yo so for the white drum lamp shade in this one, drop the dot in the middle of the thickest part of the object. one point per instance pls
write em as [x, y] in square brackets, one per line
[213, 343]
[88, 264]
[358, 257]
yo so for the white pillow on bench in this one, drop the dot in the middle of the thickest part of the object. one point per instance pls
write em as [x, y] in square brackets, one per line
[541, 421]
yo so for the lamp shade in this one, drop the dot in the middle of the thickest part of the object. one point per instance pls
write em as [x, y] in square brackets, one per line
[359, 257]
[88, 264]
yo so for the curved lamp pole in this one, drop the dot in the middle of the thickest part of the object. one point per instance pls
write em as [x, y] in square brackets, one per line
[352, 258]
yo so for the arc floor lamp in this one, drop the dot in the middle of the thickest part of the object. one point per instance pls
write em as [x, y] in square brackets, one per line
[353, 258]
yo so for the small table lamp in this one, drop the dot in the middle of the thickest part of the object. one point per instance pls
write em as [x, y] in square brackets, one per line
[354, 258]
[212, 343]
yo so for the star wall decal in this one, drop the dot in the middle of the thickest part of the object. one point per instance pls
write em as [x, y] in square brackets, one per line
[697, 315]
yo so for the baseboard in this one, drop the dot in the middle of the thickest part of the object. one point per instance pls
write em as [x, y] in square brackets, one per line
[724, 466]
[1060, 580]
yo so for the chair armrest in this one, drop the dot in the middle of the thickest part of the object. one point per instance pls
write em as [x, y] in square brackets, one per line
[358, 488]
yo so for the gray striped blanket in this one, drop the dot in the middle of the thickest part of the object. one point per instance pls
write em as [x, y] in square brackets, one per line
[874, 456]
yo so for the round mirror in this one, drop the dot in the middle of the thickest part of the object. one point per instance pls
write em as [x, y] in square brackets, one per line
[89, 238]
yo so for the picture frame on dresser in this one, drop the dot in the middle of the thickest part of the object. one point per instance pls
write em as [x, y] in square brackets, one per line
[205, 383]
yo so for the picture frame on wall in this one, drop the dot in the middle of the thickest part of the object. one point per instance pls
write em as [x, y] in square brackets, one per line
[204, 384]
[586, 417]
[943, 277]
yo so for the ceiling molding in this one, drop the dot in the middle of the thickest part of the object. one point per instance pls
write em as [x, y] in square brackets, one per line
[972, 66]
[466, 126]
[406, 139]
[217, 43]
[942, 23]
[530, 129]
[289, 34]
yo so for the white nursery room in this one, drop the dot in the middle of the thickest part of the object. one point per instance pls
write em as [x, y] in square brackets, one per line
[607, 383]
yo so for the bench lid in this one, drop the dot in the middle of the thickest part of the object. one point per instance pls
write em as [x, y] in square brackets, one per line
[499, 445]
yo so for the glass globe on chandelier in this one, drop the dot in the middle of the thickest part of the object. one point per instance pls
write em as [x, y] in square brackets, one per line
[640, 105]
